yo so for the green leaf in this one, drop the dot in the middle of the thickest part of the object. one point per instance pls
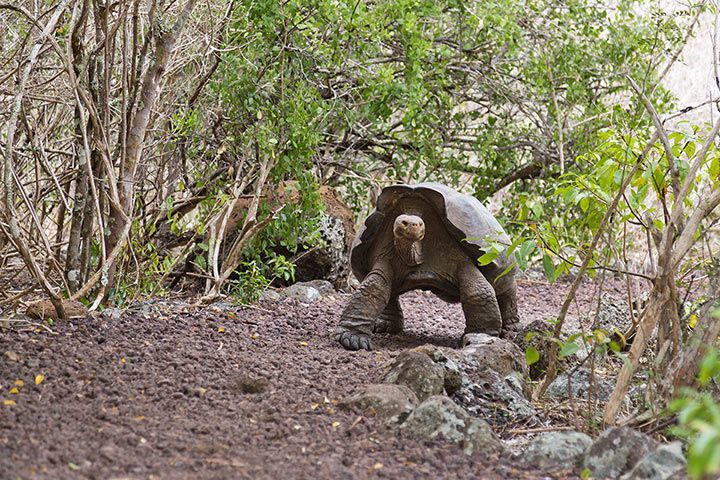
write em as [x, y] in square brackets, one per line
[488, 257]
[531, 355]
[523, 254]
[507, 270]
[518, 241]
[549, 268]
[568, 349]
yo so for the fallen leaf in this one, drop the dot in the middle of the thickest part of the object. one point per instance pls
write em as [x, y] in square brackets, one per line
[378, 466]
[14, 390]
[19, 383]
[303, 344]
[122, 360]
[335, 424]
[254, 336]
[140, 418]
[39, 379]
[297, 427]
[221, 329]
[72, 466]
[314, 406]
[9, 402]
[232, 315]
[326, 400]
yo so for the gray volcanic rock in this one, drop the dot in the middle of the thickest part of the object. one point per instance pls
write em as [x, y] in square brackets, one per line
[418, 372]
[616, 451]
[438, 416]
[665, 462]
[384, 400]
[560, 449]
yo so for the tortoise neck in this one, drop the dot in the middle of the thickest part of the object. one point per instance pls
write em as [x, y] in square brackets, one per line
[409, 252]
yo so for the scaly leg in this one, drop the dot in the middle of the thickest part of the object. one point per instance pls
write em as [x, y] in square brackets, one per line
[507, 301]
[391, 319]
[366, 304]
[482, 314]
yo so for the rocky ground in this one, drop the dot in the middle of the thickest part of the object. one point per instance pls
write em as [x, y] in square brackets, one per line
[168, 390]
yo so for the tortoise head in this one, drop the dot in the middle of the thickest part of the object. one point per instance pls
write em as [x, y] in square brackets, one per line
[409, 227]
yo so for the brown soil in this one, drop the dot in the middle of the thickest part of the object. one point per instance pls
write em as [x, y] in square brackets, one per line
[171, 391]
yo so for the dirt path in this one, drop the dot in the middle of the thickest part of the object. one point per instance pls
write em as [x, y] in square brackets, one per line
[168, 391]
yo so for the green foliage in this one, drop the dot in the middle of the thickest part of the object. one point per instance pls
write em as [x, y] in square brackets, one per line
[698, 415]
[417, 89]
[531, 355]
[564, 222]
[255, 277]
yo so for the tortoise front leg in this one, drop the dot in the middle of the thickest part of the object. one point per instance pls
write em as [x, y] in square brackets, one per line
[482, 314]
[507, 301]
[366, 304]
[391, 319]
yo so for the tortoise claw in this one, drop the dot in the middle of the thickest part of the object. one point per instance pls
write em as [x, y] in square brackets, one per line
[352, 341]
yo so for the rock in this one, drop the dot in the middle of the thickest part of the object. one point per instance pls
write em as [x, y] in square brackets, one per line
[616, 451]
[270, 295]
[579, 386]
[439, 416]
[497, 399]
[112, 314]
[556, 449]
[11, 356]
[535, 334]
[484, 392]
[307, 292]
[108, 452]
[452, 374]
[613, 316]
[663, 463]
[384, 400]
[418, 372]
[328, 260]
[44, 309]
[495, 353]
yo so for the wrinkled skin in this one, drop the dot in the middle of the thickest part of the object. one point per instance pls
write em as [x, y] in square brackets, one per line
[415, 251]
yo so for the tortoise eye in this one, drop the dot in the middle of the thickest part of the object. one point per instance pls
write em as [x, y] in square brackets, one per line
[404, 223]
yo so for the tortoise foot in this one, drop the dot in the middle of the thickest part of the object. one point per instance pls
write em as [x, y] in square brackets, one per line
[353, 341]
[509, 332]
[391, 320]
[392, 326]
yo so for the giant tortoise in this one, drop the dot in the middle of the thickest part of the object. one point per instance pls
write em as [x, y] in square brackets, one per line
[428, 236]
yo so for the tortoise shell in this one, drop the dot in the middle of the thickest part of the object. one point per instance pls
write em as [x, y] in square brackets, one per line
[465, 218]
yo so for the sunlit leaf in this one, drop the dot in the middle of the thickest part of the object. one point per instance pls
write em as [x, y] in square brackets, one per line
[531, 355]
